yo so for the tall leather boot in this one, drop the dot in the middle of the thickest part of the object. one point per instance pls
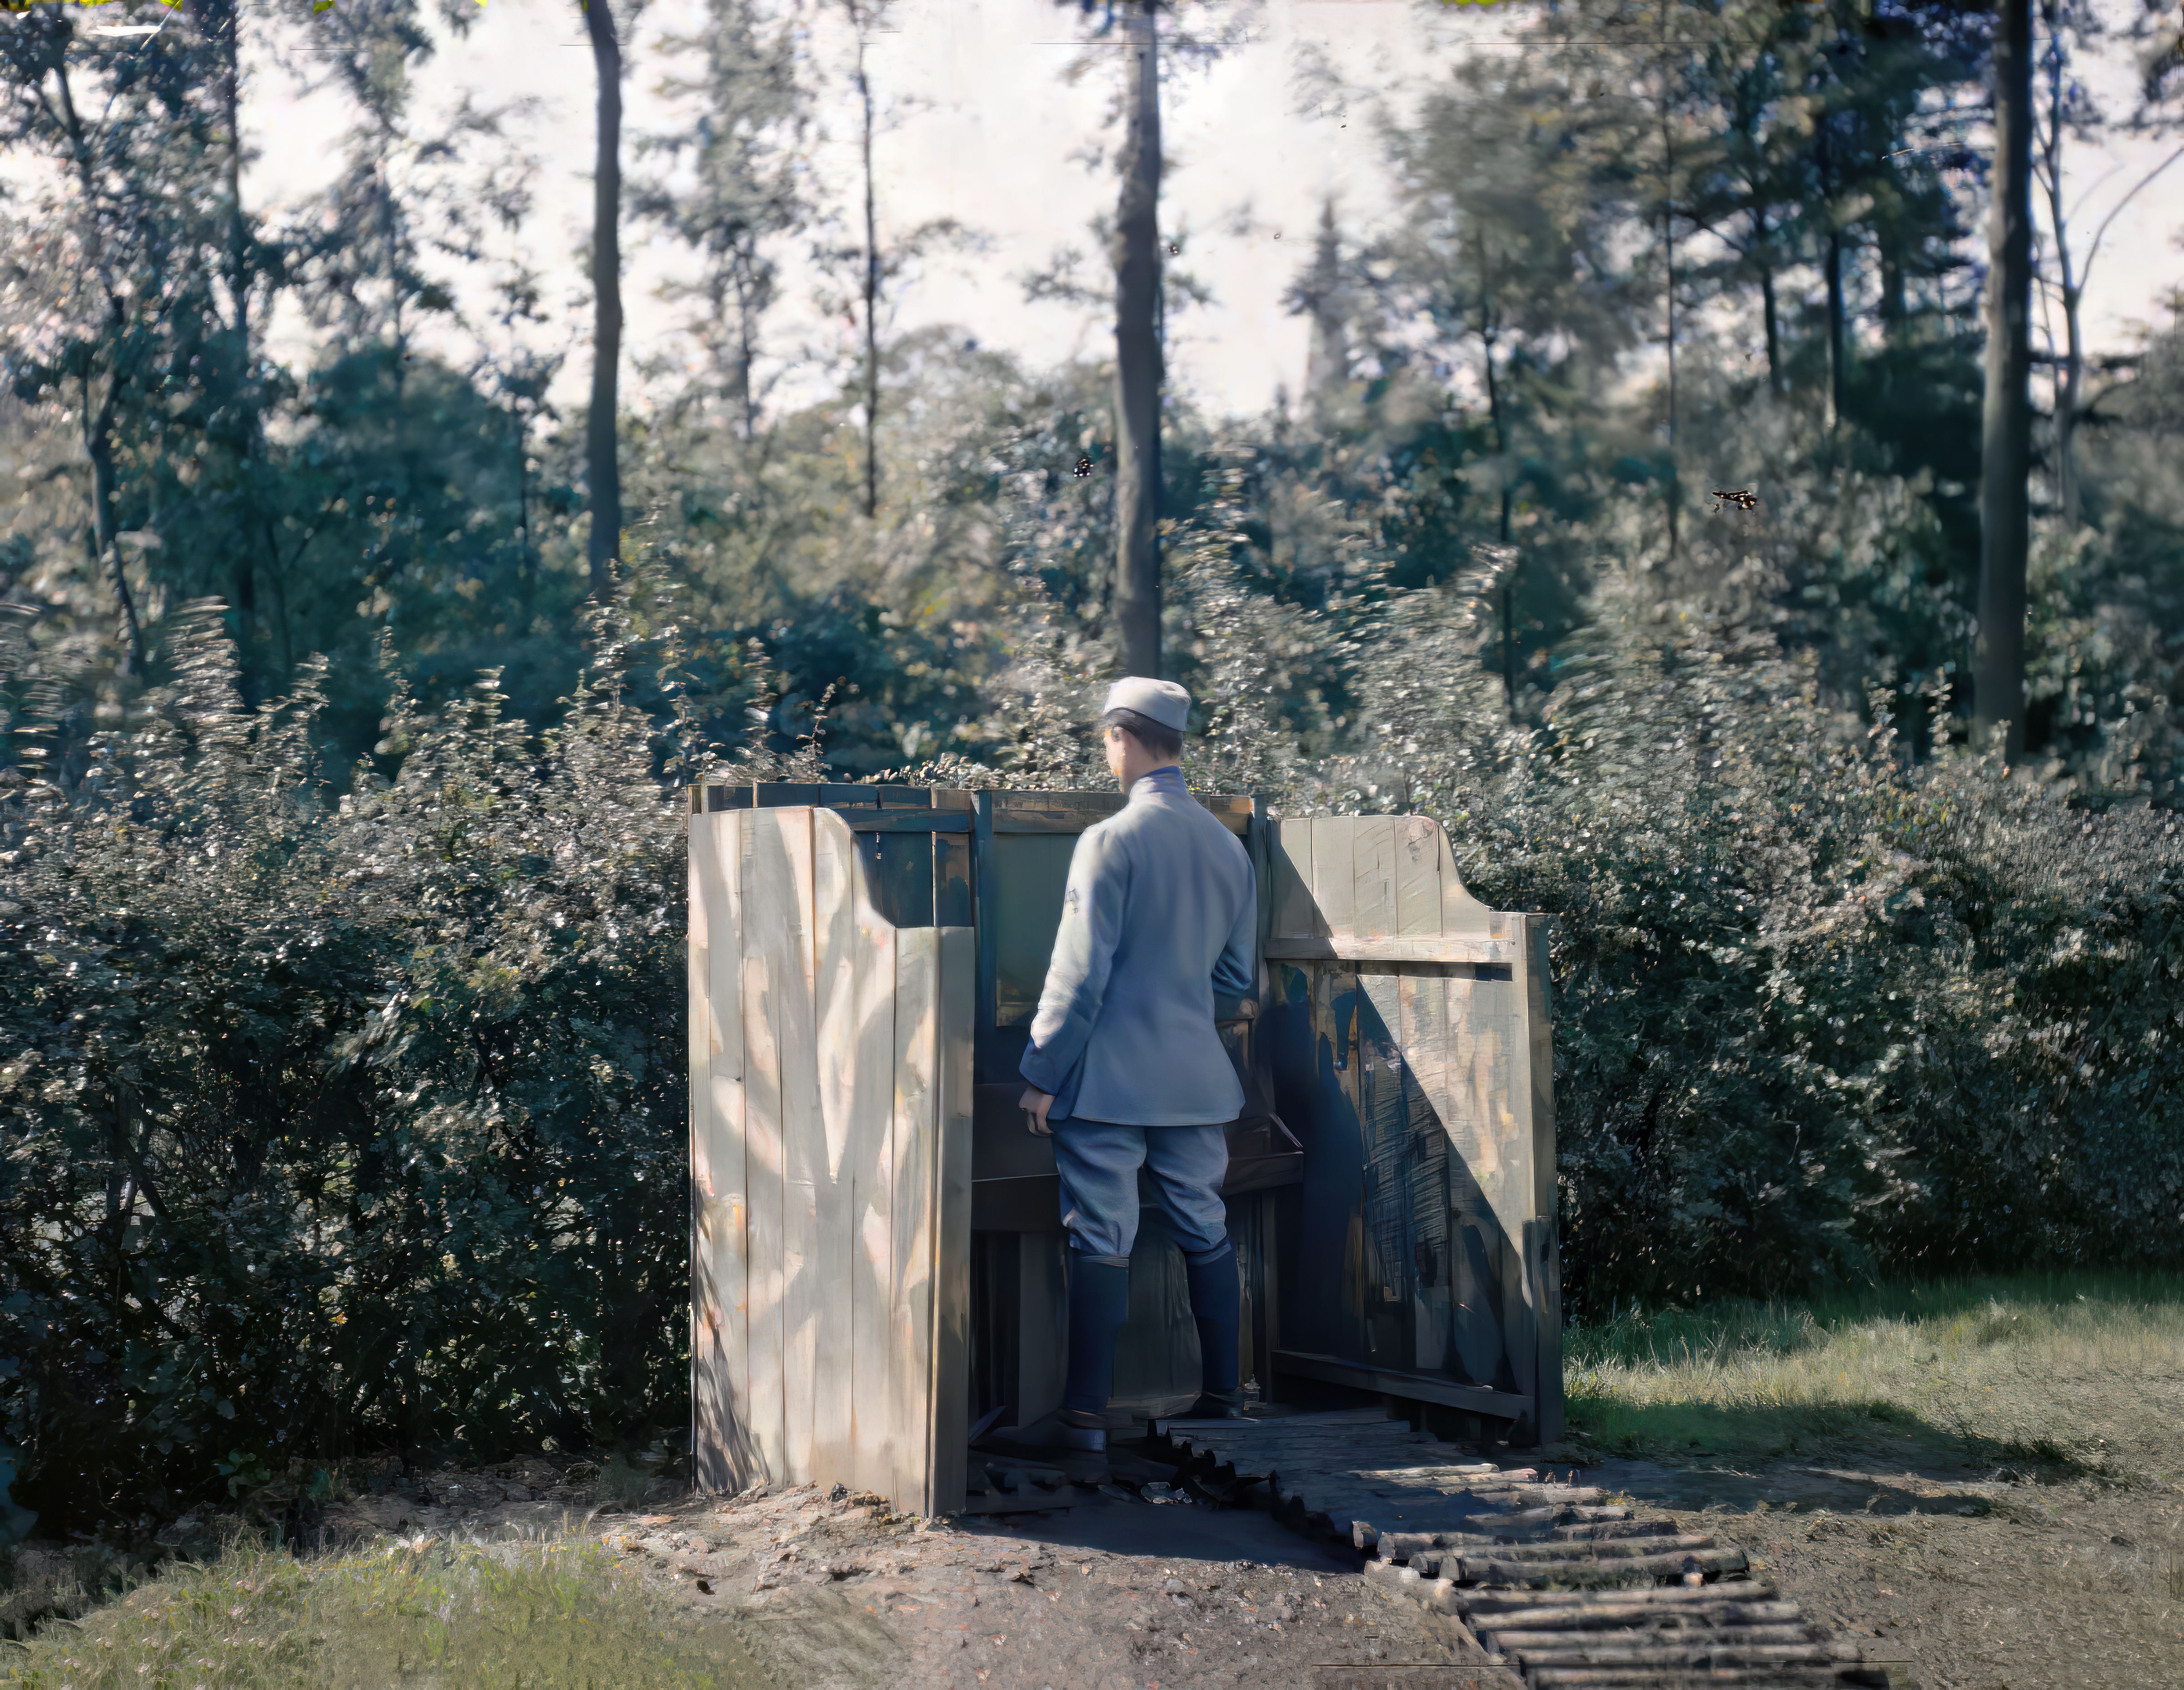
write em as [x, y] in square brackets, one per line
[1099, 1303]
[1216, 1297]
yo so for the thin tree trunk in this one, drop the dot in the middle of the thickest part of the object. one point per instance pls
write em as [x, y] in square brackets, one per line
[1894, 312]
[106, 551]
[872, 286]
[238, 286]
[746, 351]
[98, 422]
[2006, 433]
[1487, 335]
[1137, 361]
[2068, 390]
[1837, 350]
[283, 641]
[602, 464]
[1769, 311]
[1668, 248]
[221, 23]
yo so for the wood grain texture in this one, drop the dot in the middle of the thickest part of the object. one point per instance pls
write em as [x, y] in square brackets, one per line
[1460, 948]
[1417, 876]
[910, 1280]
[770, 956]
[1334, 873]
[1542, 1233]
[802, 1143]
[834, 929]
[728, 1214]
[868, 1158]
[952, 879]
[1373, 862]
[948, 1422]
[1296, 914]
[715, 1400]
[1460, 912]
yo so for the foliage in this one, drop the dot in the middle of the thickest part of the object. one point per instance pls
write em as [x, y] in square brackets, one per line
[334, 1119]
[340, 1092]
[1821, 1010]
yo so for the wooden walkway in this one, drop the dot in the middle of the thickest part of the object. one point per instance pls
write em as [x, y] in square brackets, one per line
[1558, 1582]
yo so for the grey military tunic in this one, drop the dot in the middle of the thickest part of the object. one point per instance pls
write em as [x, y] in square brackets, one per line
[1159, 916]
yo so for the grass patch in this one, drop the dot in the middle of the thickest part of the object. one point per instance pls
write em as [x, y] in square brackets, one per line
[2071, 1372]
[531, 1616]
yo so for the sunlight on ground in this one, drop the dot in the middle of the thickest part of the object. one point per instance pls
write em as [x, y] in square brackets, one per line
[541, 1617]
[2083, 1370]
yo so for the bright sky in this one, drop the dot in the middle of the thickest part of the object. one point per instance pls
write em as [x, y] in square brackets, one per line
[982, 128]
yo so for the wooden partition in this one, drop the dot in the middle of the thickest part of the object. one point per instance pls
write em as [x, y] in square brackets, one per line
[1409, 1028]
[831, 1154]
[864, 961]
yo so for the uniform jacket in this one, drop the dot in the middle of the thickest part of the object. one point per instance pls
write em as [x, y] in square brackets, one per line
[1159, 916]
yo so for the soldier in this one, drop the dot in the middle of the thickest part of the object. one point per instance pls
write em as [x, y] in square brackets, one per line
[1126, 1068]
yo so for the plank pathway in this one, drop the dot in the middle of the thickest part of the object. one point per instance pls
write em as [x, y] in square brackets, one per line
[1560, 1582]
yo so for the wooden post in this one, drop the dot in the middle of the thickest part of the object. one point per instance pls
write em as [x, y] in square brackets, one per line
[1543, 1269]
[725, 1457]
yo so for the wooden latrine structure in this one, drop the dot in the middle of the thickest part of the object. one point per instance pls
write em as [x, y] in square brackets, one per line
[877, 1263]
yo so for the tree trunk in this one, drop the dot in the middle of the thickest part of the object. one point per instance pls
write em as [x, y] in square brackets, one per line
[1769, 312]
[2006, 434]
[746, 352]
[1486, 338]
[98, 423]
[1669, 289]
[1137, 361]
[98, 446]
[2068, 390]
[1835, 349]
[602, 466]
[872, 287]
[221, 23]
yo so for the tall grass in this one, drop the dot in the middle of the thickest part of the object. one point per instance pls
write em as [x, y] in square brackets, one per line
[2077, 1370]
[554, 1616]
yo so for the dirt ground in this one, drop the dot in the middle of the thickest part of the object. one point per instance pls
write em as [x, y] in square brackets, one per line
[1987, 1581]
[1111, 1594]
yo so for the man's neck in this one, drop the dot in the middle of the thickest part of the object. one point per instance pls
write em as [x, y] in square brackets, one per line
[1130, 781]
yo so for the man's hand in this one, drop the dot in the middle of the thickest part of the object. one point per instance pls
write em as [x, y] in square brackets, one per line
[1035, 1103]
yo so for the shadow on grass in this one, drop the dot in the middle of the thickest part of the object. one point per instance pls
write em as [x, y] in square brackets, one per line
[1860, 1433]
[1905, 1374]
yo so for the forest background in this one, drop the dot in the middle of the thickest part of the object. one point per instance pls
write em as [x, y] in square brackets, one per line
[350, 696]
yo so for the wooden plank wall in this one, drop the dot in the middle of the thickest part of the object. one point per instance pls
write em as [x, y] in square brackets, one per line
[1371, 877]
[726, 1459]
[832, 1153]
[1478, 1049]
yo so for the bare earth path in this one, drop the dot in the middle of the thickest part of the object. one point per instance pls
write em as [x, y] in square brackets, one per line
[1109, 1595]
[1987, 1584]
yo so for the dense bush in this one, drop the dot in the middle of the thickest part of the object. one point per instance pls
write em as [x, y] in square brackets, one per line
[335, 1121]
[1820, 1010]
[340, 1118]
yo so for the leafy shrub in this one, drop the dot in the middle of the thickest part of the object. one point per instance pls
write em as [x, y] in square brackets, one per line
[1820, 1011]
[335, 1121]
[354, 1120]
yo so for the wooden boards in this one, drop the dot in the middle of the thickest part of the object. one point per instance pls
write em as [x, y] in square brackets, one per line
[831, 1148]
[1369, 878]
[1433, 1013]
[727, 1458]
